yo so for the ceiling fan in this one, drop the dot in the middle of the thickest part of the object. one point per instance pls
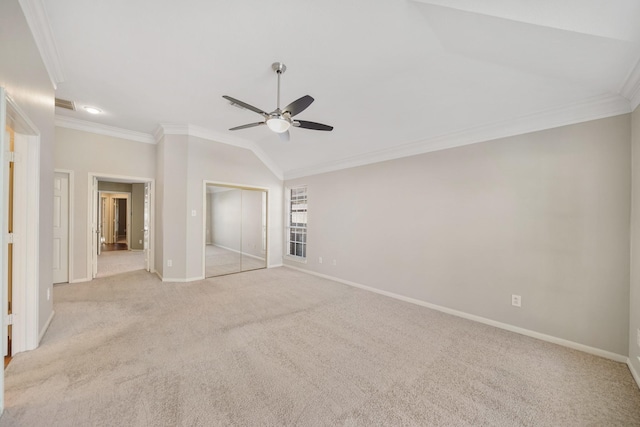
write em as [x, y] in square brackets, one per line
[280, 120]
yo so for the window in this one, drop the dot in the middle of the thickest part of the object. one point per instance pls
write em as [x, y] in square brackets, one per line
[297, 222]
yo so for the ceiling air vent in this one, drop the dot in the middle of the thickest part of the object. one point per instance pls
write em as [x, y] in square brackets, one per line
[63, 103]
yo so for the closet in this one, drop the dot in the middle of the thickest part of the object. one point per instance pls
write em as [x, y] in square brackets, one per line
[235, 229]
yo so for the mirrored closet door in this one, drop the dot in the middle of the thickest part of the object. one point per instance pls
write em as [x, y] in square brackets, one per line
[235, 231]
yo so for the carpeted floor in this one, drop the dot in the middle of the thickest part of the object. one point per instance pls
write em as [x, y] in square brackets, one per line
[116, 262]
[279, 347]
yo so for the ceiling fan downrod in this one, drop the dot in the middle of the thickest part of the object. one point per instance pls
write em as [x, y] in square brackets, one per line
[279, 68]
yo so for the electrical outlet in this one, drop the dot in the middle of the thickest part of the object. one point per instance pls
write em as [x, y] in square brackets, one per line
[48, 294]
[334, 262]
[169, 263]
[319, 260]
[139, 242]
[638, 337]
[516, 300]
[194, 212]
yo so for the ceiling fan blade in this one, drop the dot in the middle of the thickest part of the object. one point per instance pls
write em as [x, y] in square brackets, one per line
[298, 106]
[250, 125]
[245, 105]
[285, 136]
[311, 125]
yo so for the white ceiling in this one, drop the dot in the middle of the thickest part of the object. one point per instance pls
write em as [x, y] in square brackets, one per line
[394, 77]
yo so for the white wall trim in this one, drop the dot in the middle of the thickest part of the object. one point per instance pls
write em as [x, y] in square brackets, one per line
[590, 109]
[38, 21]
[631, 87]
[84, 279]
[27, 287]
[100, 129]
[633, 372]
[182, 280]
[211, 135]
[533, 334]
[46, 326]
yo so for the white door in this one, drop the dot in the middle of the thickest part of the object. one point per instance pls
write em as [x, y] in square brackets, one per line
[60, 228]
[95, 231]
[146, 226]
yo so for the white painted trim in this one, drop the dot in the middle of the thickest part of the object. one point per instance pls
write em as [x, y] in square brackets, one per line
[590, 109]
[633, 372]
[183, 280]
[100, 129]
[26, 295]
[4, 261]
[631, 87]
[533, 334]
[46, 326]
[84, 279]
[275, 265]
[223, 138]
[38, 21]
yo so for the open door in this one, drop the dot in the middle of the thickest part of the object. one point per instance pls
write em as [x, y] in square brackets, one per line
[95, 228]
[146, 227]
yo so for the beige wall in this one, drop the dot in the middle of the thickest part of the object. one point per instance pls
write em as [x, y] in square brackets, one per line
[87, 153]
[543, 215]
[634, 319]
[186, 163]
[26, 81]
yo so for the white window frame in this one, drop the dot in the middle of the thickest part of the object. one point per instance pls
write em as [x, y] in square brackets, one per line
[303, 241]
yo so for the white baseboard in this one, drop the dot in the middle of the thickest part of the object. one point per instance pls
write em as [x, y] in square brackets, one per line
[549, 338]
[633, 372]
[85, 279]
[46, 326]
[182, 279]
[275, 265]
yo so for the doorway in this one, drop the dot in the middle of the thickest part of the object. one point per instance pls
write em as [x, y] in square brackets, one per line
[115, 217]
[235, 228]
[121, 223]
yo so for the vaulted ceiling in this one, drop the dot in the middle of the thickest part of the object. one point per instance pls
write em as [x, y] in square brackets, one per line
[394, 77]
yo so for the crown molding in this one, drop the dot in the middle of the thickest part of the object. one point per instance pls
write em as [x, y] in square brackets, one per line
[631, 87]
[38, 21]
[211, 135]
[590, 109]
[100, 129]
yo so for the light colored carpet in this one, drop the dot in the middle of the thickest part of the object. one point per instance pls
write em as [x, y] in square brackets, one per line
[279, 347]
[116, 262]
[220, 261]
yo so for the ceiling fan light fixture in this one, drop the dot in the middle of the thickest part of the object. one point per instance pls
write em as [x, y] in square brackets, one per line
[278, 124]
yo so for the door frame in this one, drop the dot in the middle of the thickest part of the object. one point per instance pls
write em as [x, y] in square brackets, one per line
[26, 290]
[205, 183]
[92, 215]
